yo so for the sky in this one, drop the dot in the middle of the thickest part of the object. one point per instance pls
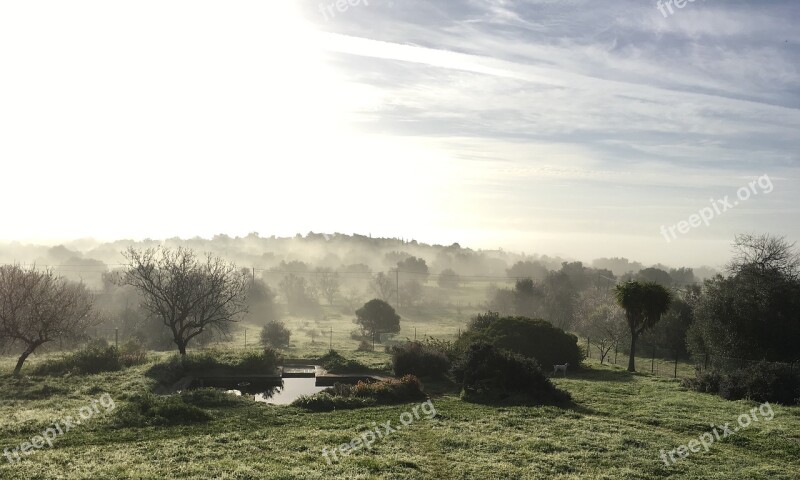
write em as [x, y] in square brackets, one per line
[580, 128]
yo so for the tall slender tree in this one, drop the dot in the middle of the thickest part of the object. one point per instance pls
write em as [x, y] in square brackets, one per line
[644, 304]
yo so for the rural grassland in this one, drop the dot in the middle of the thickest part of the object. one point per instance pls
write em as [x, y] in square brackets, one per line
[615, 430]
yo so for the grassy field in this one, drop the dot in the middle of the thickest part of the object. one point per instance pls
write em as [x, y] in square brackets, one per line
[615, 430]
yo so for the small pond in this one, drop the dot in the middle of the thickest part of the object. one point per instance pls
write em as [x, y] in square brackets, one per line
[292, 389]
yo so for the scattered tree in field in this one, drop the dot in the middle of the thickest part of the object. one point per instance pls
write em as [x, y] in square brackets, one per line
[37, 307]
[449, 279]
[328, 284]
[601, 320]
[644, 304]
[655, 275]
[301, 296]
[377, 316]
[527, 269]
[415, 267]
[188, 293]
[275, 334]
[410, 293]
[383, 287]
[261, 301]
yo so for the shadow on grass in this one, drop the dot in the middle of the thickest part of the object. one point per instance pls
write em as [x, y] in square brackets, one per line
[520, 400]
[599, 375]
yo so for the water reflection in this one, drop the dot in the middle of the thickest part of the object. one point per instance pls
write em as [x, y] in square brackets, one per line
[290, 391]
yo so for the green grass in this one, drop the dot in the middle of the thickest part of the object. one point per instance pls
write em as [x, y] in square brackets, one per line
[619, 424]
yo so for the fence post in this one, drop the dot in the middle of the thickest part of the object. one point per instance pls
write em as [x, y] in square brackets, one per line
[653, 361]
[676, 366]
[588, 348]
[116, 337]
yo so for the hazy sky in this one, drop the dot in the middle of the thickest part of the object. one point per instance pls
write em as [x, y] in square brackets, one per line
[563, 127]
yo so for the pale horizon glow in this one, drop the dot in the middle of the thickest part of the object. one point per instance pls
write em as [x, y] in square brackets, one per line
[574, 129]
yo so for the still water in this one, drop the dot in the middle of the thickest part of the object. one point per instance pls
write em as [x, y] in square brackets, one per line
[291, 390]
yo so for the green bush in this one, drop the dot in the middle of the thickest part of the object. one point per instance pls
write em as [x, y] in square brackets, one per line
[258, 362]
[275, 334]
[761, 382]
[490, 374]
[152, 410]
[415, 358]
[363, 394]
[325, 402]
[528, 337]
[333, 362]
[178, 366]
[94, 358]
[706, 382]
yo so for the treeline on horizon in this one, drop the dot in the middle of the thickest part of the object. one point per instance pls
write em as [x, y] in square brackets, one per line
[86, 260]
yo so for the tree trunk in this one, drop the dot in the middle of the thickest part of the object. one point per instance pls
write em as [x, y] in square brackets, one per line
[631, 360]
[181, 346]
[24, 356]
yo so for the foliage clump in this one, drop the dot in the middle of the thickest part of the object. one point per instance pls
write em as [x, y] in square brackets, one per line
[420, 359]
[364, 394]
[490, 374]
[334, 362]
[95, 358]
[153, 410]
[178, 366]
[532, 338]
[760, 382]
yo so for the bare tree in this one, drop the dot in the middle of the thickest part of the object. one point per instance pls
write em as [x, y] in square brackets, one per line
[37, 307]
[762, 254]
[190, 294]
[328, 284]
[601, 320]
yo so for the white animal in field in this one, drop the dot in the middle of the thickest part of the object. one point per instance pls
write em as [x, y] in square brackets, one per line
[560, 368]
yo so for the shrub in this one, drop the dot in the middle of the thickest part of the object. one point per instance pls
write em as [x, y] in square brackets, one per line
[733, 385]
[132, 353]
[178, 366]
[94, 358]
[529, 337]
[363, 394]
[491, 374]
[364, 346]
[325, 402]
[418, 359]
[275, 334]
[706, 382]
[258, 362]
[333, 362]
[761, 382]
[150, 410]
